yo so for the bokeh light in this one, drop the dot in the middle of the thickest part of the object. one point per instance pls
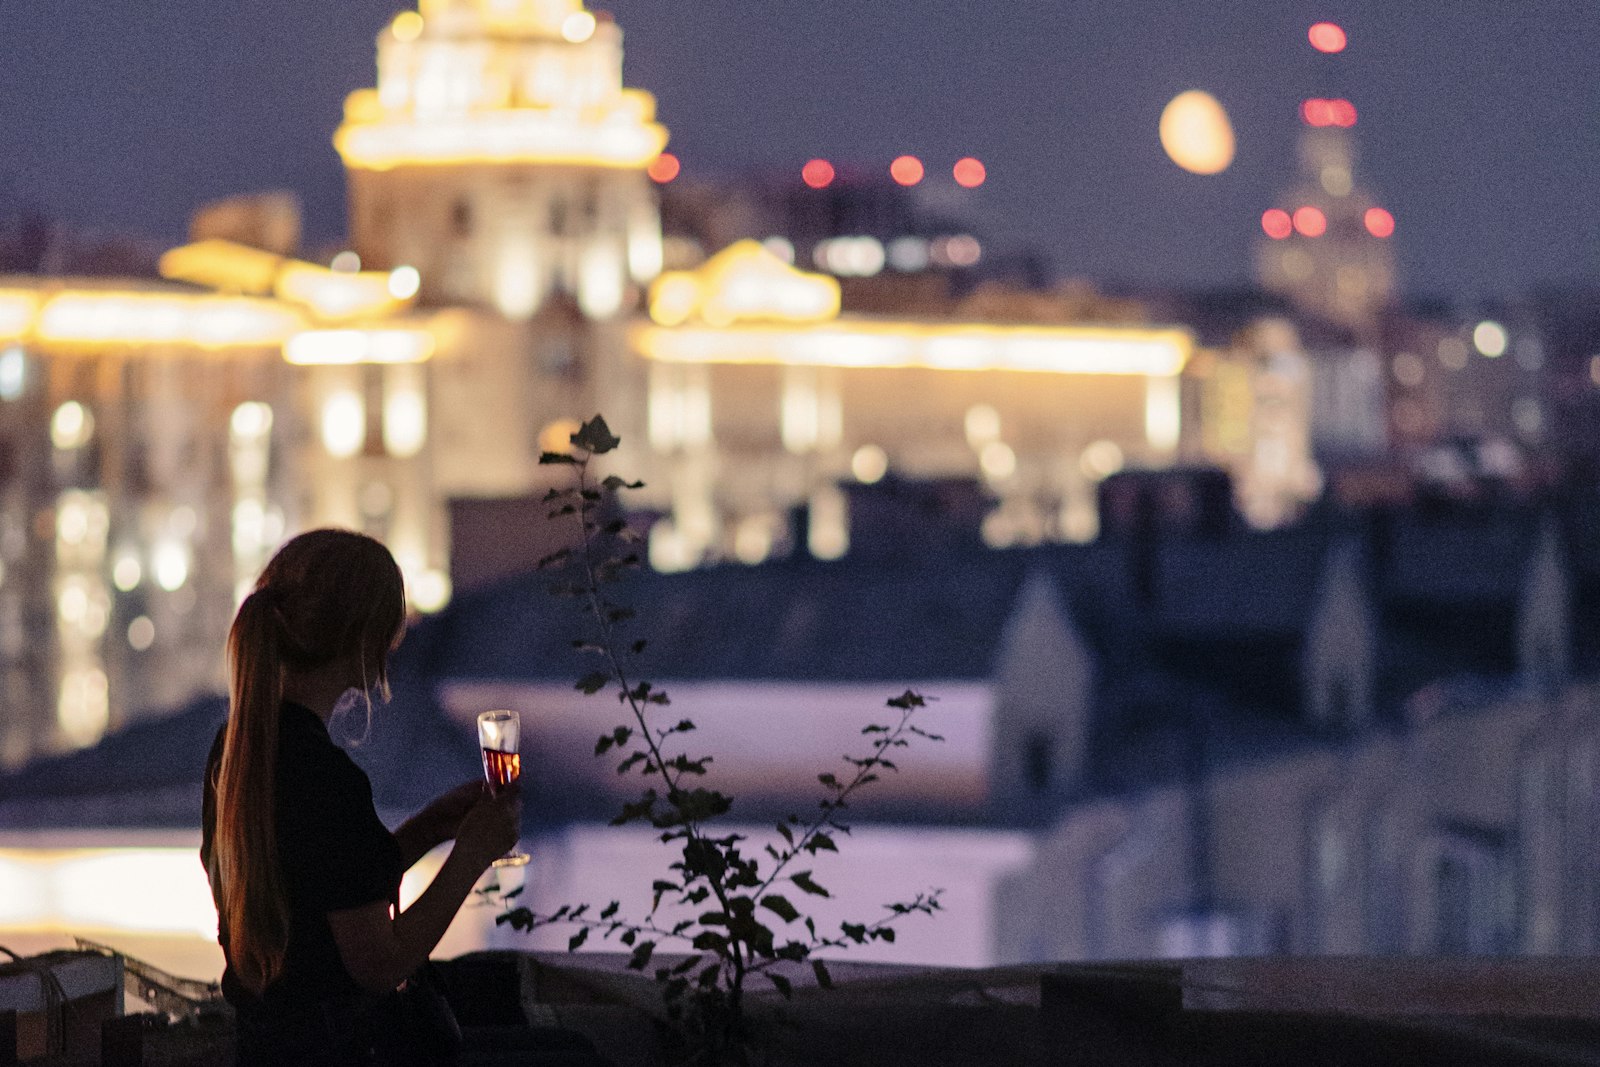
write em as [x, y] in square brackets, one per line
[1490, 339]
[1319, 112]
[1196, 134]
[970, 173]
[1310, 222]
[578, 27]
[818, 173]
[907, 170]
[1328, 37]
[1277, 224]
[1379, 222]
[664, 168]
[407, 26]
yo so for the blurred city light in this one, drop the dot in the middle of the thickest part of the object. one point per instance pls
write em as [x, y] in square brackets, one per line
[869, 464]
[1277, 224]
[664, 168]
[970, 173]
[578, 27]
[907, 170]
[1318, 111]
[1196, 134]
[1310, 222]
[1379, 222]
[818, 173]
[407, 26]
[1327, 37]
[404, 282]
[1490, 339]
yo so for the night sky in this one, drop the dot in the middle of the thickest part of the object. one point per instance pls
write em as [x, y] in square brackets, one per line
[1480, 119]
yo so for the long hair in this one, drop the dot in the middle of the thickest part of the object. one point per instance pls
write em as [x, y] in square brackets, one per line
[325, 595]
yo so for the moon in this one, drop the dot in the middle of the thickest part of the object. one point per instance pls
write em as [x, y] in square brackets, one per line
[1196, 133]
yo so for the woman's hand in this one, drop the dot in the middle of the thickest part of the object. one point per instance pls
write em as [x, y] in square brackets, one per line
[491, 826]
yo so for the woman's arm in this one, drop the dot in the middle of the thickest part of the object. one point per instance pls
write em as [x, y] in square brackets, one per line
[436, 823]
[379, 951]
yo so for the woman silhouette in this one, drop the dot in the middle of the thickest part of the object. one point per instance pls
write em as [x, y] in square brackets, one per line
[305, 877]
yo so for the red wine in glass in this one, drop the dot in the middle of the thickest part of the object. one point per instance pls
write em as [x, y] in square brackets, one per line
[499, 733]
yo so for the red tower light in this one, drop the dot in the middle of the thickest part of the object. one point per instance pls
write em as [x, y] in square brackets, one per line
[1379, 222]
[818, 173]
[1310, 222]
[970, 173]
[1277, 224]
[907, 170]
[664, 168]
[1342, 112]
[1328, 37]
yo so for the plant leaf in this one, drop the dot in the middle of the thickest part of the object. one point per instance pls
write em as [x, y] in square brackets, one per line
[593, 682]
[595, 437]
[578, 939]
[781, 907]
[803, 880]
[824, 979]
[641, 955]
[783, 984]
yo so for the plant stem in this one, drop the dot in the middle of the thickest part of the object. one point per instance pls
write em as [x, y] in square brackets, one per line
[658, 763]
[826, 818]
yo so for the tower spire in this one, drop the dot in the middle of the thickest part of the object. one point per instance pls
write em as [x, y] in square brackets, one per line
[1325, 241]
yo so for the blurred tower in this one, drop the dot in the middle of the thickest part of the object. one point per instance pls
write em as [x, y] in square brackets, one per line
[502, 158]
[1325, 244]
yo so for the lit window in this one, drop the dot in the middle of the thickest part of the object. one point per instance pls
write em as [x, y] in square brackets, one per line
[998, 461]
[404, 282]
[141, 633]
[126, 573]
[405, 419]
[83, 709]
[578, 27]
[71, 426]
[1101, 459]
[13, 373]
[251, 421]
[171, 565]
[344, 424]
[869, 464]
[430, 590]
[1490, 339]
[983, 425]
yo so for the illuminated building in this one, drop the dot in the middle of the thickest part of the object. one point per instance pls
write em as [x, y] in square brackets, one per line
[505, 278]
[760, 394]
[501, 157]
[161, 440]
[1325, 242]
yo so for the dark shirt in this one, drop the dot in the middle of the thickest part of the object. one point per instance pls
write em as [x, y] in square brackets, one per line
[333, 853]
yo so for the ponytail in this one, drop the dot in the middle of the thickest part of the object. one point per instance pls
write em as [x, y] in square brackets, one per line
[250, 890]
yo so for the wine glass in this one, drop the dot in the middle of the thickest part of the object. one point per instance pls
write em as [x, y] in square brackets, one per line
[498, 735]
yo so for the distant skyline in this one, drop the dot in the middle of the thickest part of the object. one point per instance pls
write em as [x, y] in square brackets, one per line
[1480, 119]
